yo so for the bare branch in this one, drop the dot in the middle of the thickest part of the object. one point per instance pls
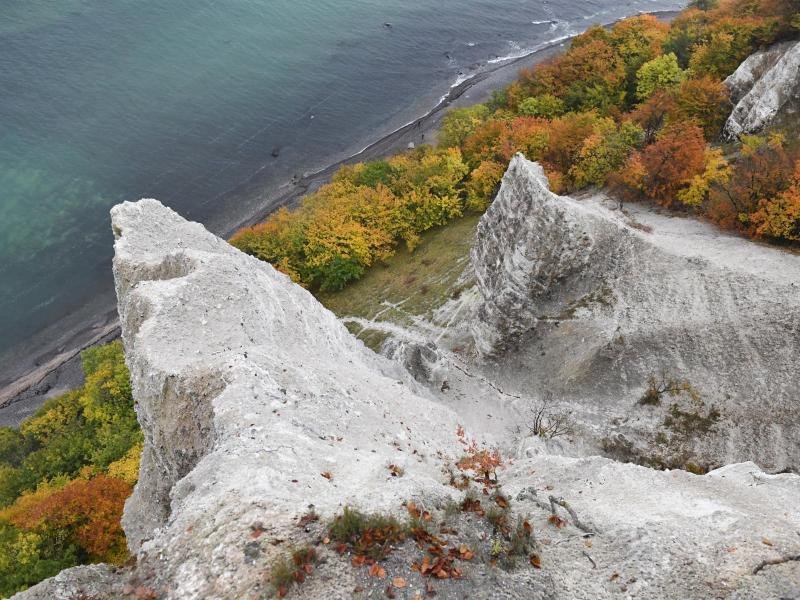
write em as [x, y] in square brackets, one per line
[575, 520]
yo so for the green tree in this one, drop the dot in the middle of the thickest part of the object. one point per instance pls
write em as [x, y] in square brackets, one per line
[663, 72]
[546, 106]
[605, 151]
[459, 123]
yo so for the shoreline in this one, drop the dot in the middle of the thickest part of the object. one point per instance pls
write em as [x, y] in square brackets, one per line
[56, 369]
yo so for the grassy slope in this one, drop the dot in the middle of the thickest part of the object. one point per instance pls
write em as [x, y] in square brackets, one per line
[410, 284]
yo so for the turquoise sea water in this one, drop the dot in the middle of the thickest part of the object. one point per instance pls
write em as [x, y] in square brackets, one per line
[185, 100]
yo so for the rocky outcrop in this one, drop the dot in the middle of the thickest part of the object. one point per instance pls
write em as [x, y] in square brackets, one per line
[92, 581]
[581, 303]
[256, 403]
[530, 246]
[765, 85]
[247, 391]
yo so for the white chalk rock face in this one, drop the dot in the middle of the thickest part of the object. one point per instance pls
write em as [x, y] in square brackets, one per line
[248, 390]
[529, 242]
[577, 302]
[765, 84]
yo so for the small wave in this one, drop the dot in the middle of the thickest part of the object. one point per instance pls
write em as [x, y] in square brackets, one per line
[520, 52]
[546, 22]
[462, 77]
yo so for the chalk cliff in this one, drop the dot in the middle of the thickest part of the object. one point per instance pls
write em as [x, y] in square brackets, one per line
[764, 86]
[583, 303]
[257, 403]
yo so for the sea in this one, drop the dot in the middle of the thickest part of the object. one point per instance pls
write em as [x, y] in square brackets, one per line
[209, 105]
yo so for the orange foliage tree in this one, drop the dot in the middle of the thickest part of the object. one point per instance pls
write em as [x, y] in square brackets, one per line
[779, 217]
[704, 100]
[86, 512]
[672, 161]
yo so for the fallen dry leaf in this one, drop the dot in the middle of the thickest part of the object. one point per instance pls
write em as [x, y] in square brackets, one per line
[557, 521]
[327, 475]
[536, 561]
[399, 582]
[358, 560]
[767, 542]
[390, 592]
[309, 517]
[527, 527]
[377, 571]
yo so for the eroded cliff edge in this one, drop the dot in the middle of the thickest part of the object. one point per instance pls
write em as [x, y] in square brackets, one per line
[248, 391]
[764, 88]
[579, 301]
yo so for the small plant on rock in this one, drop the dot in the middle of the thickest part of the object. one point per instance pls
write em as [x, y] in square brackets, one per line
[497, 518]
[291, 569]
[691, 422]
[659, 386]
[483, 462]
[549, 423]
[372, 537]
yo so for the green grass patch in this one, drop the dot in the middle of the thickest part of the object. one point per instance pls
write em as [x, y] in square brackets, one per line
[408, 285]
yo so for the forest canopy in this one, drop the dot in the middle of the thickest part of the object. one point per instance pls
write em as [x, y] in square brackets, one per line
[637, 108]
[65, 475]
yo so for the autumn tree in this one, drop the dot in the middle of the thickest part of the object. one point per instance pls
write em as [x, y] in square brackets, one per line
[483, 185]
[762, 171]
[716, 171]
[729, 42]
[704, 100]
[637, 40]
[688, 30]
[87, 512]
[94, 425]
[460, 123]
[604, 151]
[567, 135]
[591, 75]
[652, 114]
[779, 217]
[360, 216]
[672, 161]
[544, 105]
[661, 73]
[53, 515]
